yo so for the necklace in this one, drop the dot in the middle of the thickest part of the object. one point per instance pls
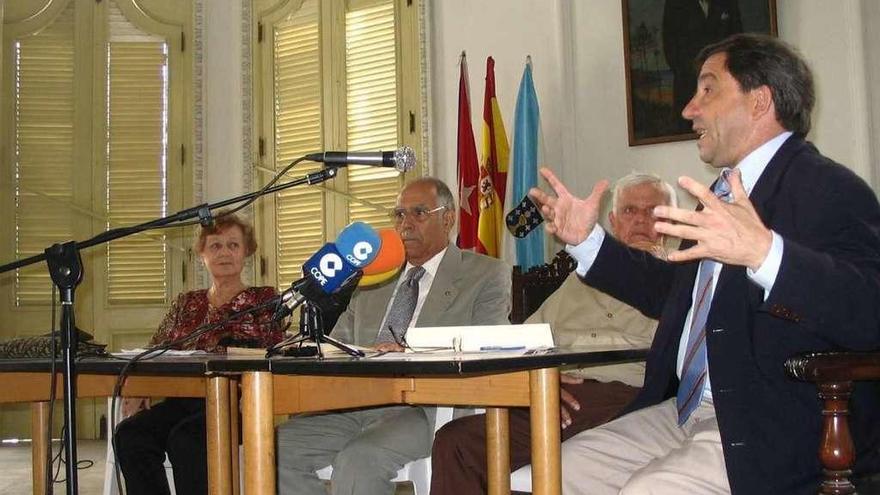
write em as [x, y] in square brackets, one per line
[214, 299]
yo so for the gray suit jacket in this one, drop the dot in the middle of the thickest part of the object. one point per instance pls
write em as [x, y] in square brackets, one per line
[469, 289]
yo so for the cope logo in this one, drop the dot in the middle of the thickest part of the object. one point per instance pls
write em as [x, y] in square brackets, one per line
[327, 267]
[359, 253]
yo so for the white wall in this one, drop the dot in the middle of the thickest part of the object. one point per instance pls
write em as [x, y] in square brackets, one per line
[508, 31]
[222, 90]
[840, 121]
[871, 17]
[577, 52]
[584, 111]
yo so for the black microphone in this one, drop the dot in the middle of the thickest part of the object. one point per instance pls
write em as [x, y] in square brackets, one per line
[307, 290]
[328, 270]
[402, 159]
[290, 299]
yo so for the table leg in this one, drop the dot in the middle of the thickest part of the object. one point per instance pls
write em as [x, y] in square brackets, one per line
[546, 466]
[219, 476]
[39, 445]
[498, 450]
[233, 435]
[259, 433]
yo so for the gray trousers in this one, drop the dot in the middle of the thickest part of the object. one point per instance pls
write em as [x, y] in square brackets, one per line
[366, 448]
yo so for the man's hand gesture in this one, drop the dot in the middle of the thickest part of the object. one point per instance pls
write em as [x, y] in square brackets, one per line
[731, 233]
[569, 218]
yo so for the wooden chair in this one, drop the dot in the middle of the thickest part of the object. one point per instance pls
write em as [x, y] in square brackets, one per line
[533, 287]
[833, 373]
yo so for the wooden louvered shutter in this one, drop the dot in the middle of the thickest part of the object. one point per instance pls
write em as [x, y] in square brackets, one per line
[299, 211]
[136, 158]
[43, 125]
[333, 72]
[371, 107]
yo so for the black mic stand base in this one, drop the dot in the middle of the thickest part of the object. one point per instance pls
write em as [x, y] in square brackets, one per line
[65, 268]
[339, 345]
[312, 329]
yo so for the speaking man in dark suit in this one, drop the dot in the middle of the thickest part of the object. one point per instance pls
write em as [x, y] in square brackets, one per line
[782, 257]
[439, 285]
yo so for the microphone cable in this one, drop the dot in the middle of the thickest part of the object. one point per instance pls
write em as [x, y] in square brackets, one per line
[266, 187]
[260, 192]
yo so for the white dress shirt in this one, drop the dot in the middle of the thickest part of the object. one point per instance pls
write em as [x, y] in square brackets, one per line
[431, 266]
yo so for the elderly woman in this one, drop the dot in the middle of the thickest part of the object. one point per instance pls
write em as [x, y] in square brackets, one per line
[177, 426]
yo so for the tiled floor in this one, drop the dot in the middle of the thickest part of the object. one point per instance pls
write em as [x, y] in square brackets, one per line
[15, 469]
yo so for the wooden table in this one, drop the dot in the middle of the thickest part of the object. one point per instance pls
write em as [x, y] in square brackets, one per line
[28, 380]
[296, 385]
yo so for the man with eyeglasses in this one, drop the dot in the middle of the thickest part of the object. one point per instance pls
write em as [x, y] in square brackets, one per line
[440, 285]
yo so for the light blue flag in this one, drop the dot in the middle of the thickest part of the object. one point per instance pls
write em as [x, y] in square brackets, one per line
[526, 154]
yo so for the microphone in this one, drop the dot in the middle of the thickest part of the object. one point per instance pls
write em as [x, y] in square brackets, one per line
[402, 159]
[324, 272]
[389, 261]
[359, 244]
[331, 267]
[379, 278]
[391, 253]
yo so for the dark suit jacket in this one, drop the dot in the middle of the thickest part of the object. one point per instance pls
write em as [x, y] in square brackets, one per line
[826, 296]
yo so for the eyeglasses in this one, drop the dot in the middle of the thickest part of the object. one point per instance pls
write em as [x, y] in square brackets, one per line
[416, 213]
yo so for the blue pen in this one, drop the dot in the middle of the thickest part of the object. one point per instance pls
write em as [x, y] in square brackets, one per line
[502, 348]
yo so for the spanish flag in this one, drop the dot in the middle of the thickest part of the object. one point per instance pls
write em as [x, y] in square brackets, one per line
[493, 170]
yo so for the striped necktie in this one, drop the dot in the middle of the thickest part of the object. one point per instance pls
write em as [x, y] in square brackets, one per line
[695, 366]
[403, 307]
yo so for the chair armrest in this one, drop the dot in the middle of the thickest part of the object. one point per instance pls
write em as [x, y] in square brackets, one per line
[833, 373]
[817, 367]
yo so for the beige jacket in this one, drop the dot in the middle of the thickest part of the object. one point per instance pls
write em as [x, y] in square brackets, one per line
[582, 316]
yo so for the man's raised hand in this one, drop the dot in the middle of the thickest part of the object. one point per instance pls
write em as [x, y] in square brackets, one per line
[731, 233]
[569, 218]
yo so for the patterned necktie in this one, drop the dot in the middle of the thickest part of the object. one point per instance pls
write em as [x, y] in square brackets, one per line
[402, 308]
[695, 366]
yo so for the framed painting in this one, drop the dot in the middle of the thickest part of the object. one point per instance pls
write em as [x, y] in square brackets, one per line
[661, 38]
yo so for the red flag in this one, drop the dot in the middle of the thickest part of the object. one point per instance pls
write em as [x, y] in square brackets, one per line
[468, 167]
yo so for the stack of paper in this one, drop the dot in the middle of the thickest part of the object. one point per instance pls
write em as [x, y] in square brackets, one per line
[482, 337]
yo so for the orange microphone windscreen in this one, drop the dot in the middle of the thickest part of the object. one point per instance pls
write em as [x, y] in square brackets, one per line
[369, 280]
[391, 255]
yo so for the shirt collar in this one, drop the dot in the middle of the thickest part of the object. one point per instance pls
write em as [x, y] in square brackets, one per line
[752, 166]
[431, 266]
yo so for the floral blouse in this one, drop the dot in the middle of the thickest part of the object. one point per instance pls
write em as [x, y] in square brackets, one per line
[192, 309]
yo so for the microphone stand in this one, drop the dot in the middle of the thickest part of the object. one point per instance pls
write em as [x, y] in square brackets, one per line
[65, 268]
[313, 328]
